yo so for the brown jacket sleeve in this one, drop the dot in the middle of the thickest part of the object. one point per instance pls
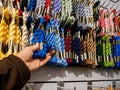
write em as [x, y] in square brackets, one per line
[13, 73]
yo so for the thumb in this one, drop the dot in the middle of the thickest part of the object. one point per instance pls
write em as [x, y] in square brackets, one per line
[35, 47]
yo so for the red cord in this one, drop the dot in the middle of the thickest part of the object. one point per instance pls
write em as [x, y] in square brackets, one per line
[17, 0]
[47, 17]
[47, 6]
[20, 12]
[48, 3]
[69, 61]
[116, 21]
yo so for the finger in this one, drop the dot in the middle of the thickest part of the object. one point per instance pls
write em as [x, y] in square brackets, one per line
[51, 53]
[35, 47]
[41, 62]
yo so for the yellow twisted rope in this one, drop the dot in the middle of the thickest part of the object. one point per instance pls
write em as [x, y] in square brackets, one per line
[12, 34]
[3, 31]
[2, 25]
[25, 40]
[18, 33]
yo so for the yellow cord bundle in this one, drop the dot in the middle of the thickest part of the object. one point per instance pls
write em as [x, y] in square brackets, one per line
[17, 42]
[1, 38]
[12, 34]
[4, 31]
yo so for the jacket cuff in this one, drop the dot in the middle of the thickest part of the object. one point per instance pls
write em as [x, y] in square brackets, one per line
[22, 68]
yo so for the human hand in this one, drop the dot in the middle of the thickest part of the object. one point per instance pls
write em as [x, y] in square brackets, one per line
[33, 64]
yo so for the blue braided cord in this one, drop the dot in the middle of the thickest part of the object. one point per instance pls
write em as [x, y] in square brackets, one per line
[117, 64]
[52, 22]
[62, 62]
[53, 60]
[32, 5]
[79, 28]
[50, 39]
[29, 19]
[73, 45]
[77, 46]
[57, 6]
[62, 44]
[39, 36]
[56, 24]
[117, 37]
[42, 53]
[42, 21]
[57, 43]
[48, 26]
[117, 49]
[74, 62]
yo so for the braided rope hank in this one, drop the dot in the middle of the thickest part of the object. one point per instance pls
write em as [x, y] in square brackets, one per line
[116, 20]
[107, 22]
[12, 34]
[25, 40]
[39, 37]
[117, 50]
[32, 5]
[110, 62]
[17, 42]
[2, 25]
[111, 21]
[57, 7]
[40, 3]
[68, 44]
[102, 21]
[6, 15]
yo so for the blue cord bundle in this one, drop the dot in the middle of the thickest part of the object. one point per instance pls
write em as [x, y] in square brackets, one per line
[57, 42]
[39, 37]
[117, 51]
[32, 5]
[64, 61]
